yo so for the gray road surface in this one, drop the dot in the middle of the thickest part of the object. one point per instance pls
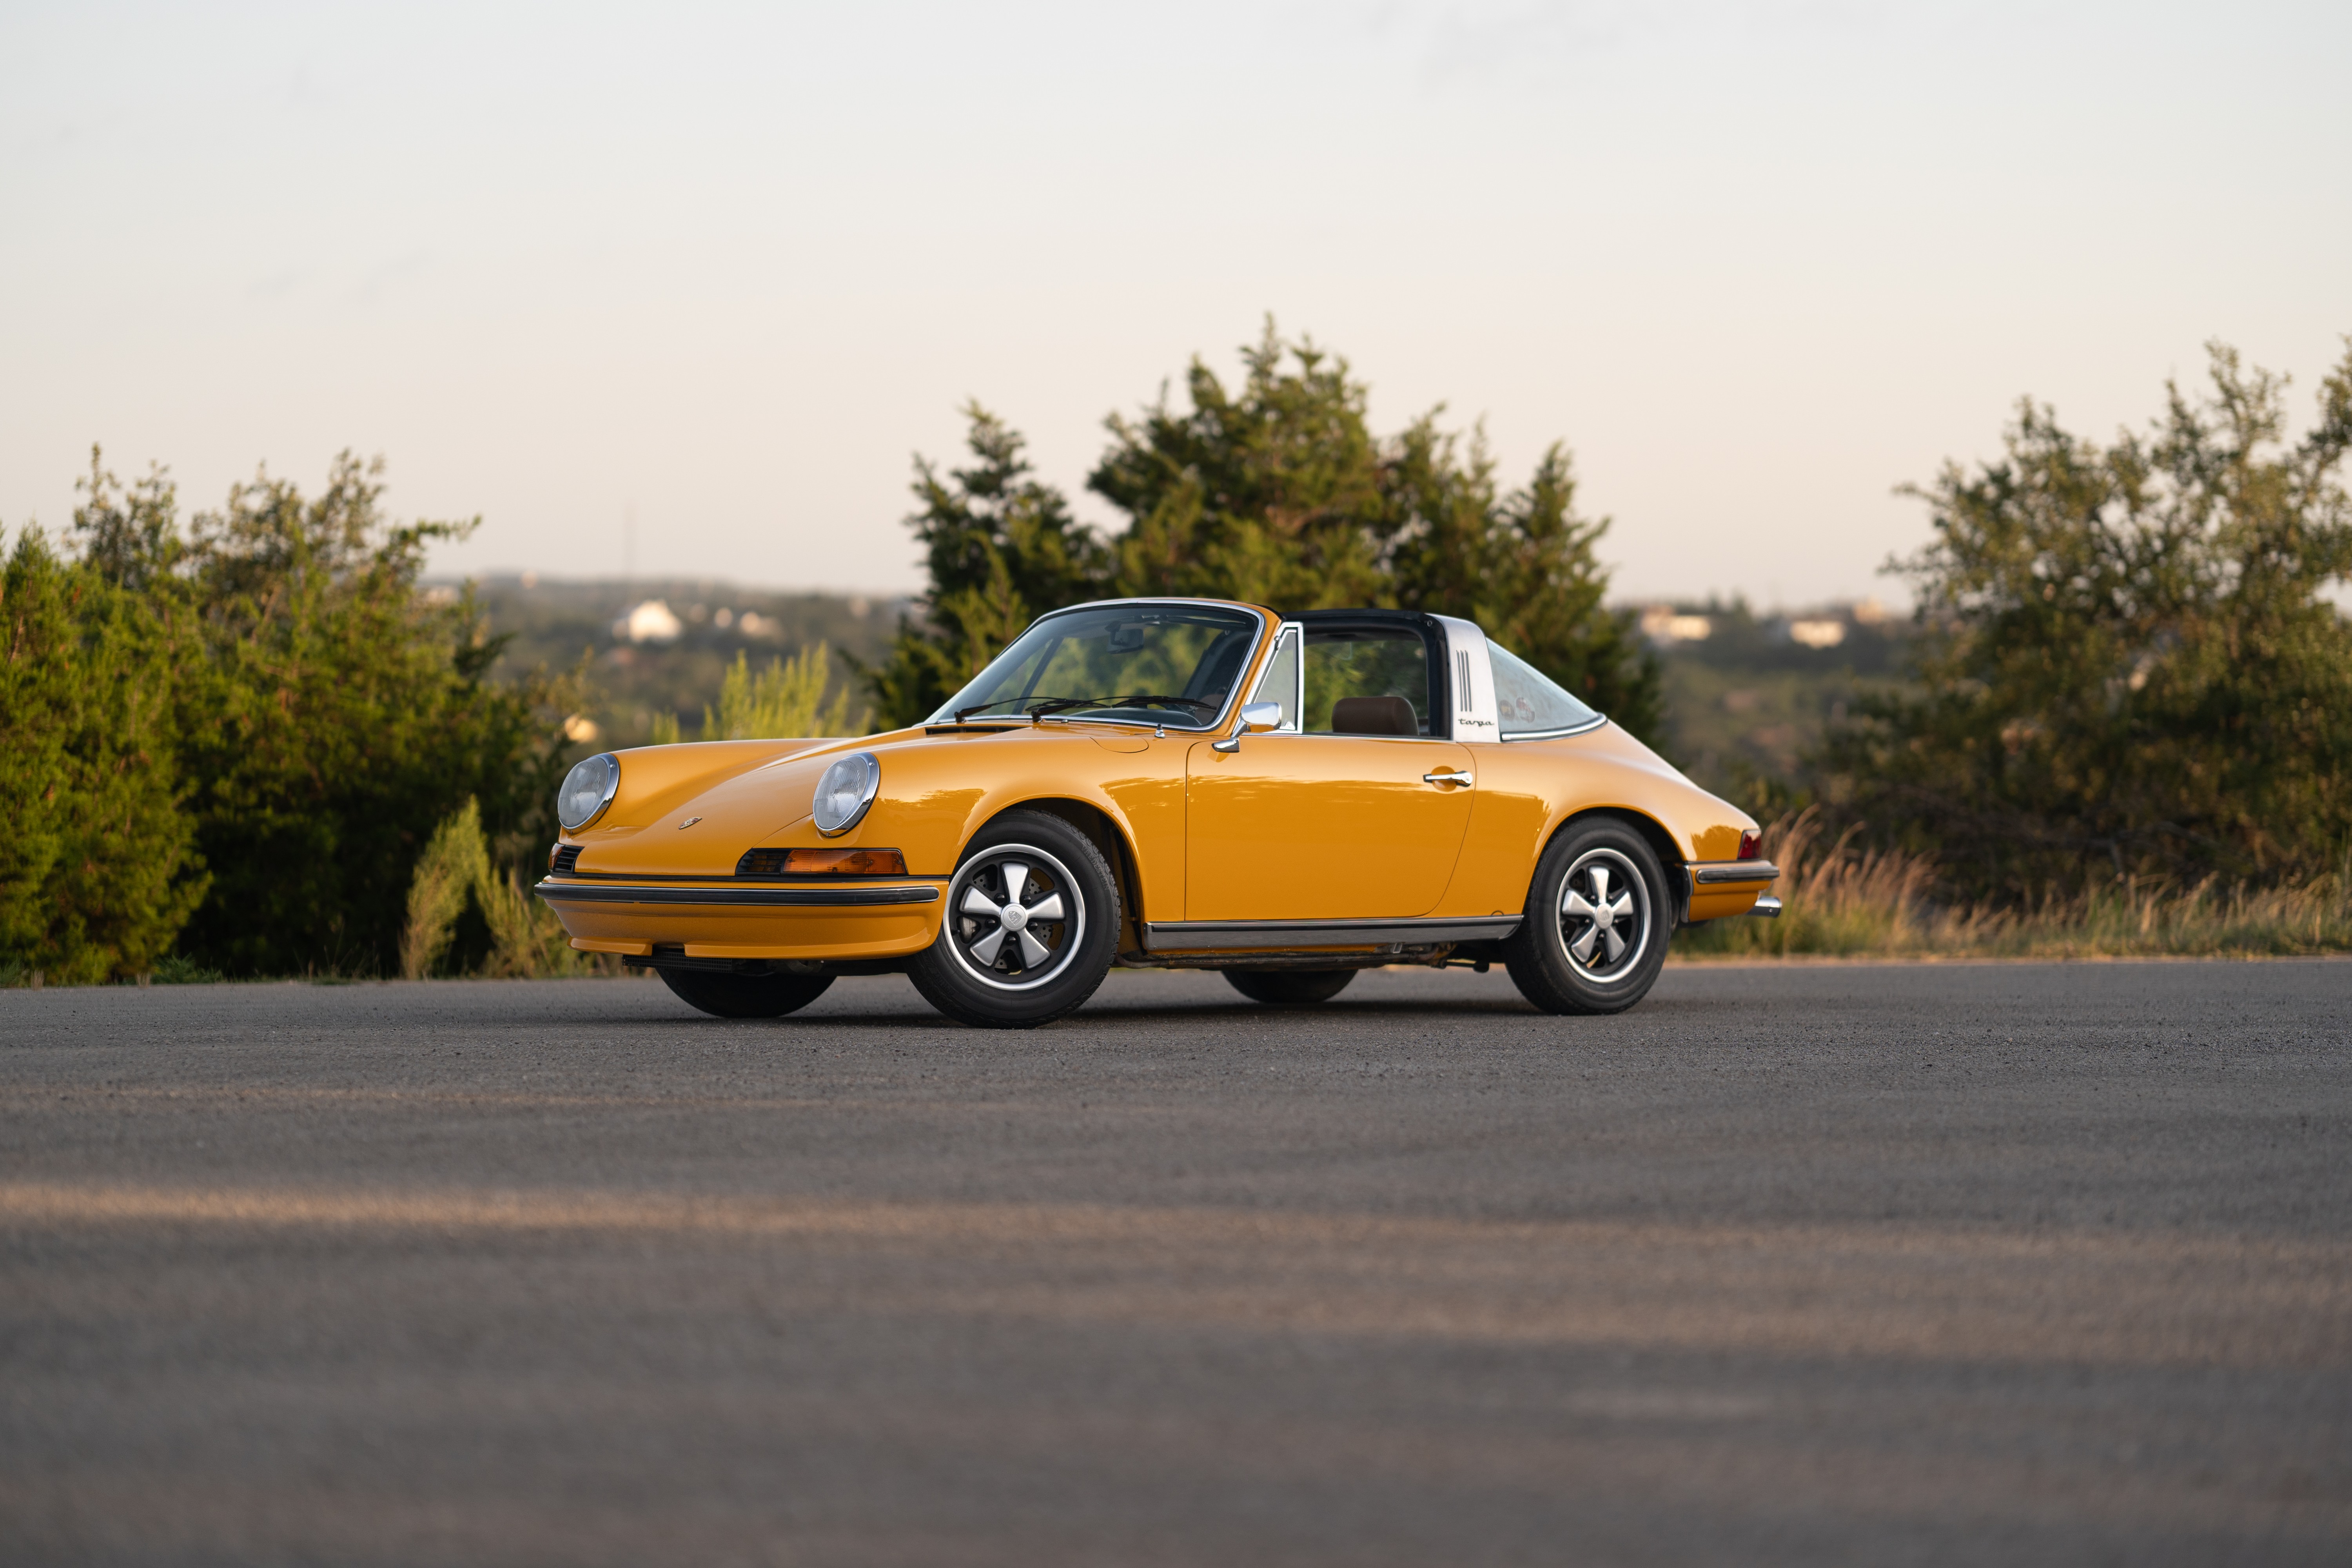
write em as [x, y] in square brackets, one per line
[1823, 1265]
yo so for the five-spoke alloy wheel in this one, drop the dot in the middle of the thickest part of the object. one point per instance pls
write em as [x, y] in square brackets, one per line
[1599, 919]
[1031, 926]
[1013, 912]
[1605, 914]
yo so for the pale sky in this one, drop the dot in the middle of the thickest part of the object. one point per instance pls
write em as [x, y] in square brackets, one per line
[1756, 264]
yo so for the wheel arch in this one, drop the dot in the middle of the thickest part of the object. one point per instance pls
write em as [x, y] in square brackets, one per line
[1652, 832]
[1108, 834]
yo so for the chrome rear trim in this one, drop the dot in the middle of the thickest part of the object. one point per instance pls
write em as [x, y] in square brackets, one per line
[1739, 871]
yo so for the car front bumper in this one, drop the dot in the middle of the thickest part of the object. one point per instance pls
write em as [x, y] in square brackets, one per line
[732, 919]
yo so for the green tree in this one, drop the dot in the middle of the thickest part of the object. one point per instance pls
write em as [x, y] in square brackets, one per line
[1002, 549]
[331, 714]
[96, 867]
[1521, 565]
[2127, 662]
[1272, 493]
[1276, 491]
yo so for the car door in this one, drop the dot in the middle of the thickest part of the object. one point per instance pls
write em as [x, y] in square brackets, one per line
[1323, 820]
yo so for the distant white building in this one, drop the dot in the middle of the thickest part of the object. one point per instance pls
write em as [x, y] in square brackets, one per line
[1817, 631]
[649, 622]
[1663, 626]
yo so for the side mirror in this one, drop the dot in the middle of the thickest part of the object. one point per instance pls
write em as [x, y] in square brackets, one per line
[1256, 719]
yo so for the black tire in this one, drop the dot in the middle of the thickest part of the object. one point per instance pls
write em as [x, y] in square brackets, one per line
[1290, 987]
[744, 995]
[1621, 922]
[1019, 980]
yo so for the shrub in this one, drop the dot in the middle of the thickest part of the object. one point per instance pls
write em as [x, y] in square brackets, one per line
[330, 714]
[527, 941]
[779, 703]
[2128, 665]
[97, 865]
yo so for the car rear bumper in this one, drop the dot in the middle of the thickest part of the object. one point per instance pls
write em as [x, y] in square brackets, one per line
[1723, 887]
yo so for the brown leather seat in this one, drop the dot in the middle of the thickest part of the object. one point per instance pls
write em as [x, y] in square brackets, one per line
[1373, 716]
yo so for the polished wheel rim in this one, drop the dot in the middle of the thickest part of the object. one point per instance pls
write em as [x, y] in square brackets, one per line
[1604, 915]
[1014, 917]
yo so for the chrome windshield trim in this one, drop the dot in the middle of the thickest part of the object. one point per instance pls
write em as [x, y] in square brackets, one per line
[805, 898]
[1232, 698]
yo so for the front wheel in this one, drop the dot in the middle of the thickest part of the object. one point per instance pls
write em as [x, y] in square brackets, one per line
[1031, 926]
[744, 995]
[1598, 921]
[1290, 987]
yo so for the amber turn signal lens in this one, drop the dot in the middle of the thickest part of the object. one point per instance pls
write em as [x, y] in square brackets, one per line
[847, 862]
[1752, 844]
[822, 862]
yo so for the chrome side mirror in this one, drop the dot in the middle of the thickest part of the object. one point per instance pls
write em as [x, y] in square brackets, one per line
[1256, 719]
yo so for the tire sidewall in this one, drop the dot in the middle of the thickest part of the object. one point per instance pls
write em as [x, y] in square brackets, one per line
[940, 971]
[1537, 955]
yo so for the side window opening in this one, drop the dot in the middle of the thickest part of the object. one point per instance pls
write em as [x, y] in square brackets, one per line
[1369, 681]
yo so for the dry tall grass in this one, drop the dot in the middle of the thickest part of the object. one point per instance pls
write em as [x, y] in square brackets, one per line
[1841, 899]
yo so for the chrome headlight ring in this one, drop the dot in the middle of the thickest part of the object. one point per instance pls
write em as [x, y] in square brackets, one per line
[845, 793]
[587, 790]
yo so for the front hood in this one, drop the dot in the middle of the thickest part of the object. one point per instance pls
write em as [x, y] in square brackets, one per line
[691, 810]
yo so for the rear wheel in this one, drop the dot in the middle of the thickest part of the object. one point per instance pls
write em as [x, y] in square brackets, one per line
[1599, 919]
[744, 995]
[1290, 987]
[1031, 926]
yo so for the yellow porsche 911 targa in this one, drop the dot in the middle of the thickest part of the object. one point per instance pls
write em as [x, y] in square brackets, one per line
[1166, 784]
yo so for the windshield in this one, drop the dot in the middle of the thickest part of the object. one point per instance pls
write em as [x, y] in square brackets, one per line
[1139, 664]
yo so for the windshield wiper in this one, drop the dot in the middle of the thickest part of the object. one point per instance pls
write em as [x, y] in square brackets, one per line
[1050, 705]
[1043, 705]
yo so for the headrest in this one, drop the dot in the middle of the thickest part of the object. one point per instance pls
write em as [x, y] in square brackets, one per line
[1373, 716]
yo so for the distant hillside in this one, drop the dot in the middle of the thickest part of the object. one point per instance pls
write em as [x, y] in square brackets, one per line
[672, 653]
[1750, 691]
[1744, 690]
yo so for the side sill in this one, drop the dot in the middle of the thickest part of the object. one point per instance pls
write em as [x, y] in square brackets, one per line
[1209, 936]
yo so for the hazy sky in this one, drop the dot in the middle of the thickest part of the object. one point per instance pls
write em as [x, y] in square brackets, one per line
[1755, 263]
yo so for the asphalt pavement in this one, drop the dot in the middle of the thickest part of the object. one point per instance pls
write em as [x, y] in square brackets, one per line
[1807, 1265]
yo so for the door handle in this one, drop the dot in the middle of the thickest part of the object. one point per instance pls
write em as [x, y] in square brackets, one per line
[1445, 778]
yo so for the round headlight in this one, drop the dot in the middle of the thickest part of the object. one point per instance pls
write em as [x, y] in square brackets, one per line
[587, 791]
[844, 792]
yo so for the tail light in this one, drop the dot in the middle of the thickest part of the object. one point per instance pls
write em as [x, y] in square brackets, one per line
[1752, 844]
